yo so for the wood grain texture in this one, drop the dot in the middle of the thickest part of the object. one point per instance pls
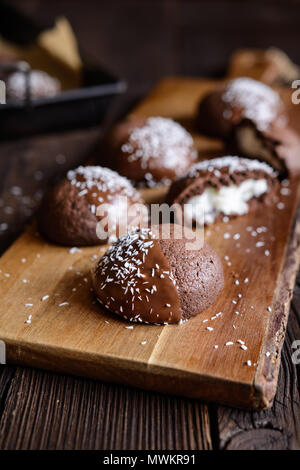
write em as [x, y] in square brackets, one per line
[184, 44]
[47, 411]
[278, 427]
[83, 339]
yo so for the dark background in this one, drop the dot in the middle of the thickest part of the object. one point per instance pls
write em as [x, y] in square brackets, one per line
[141, 41]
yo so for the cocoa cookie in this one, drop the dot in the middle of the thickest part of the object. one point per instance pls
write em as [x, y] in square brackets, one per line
[41, 85]
[278, 146]
[150, 151]
[272, 66]
[241, 98]
[227, 186]
[151, 276]
[70, 212]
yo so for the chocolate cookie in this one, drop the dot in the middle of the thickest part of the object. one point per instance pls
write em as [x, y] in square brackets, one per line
[41, 85]
[272, 66]
[227, 186]
[241, 98]
[149, 278]
[70, 212]
[277, 146]
[150, 151]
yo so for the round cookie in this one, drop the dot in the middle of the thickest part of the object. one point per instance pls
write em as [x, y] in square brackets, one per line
[150, 151]
[241, 98]
[226, 186]
[271, 66]
[148, 276]
[278, 146]
[41, 85]
[68, 215]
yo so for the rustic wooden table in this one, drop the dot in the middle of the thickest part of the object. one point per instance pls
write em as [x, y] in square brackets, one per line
[42, 410]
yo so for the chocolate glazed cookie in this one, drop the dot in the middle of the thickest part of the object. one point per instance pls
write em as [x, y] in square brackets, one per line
[146, 277]
[241, 98]
[68, 215]
[229, 186]
[150, 151]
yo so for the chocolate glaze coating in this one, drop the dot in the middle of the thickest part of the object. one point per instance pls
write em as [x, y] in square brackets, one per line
[224, 171]
[222, 108]
[278, 146]
[150, 151]
[146, 278]
[68, 212]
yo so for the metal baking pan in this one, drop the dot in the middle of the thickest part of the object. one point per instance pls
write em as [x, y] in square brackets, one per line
[71, 109]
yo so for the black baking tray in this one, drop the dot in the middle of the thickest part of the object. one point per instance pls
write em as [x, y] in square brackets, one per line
[71, 109]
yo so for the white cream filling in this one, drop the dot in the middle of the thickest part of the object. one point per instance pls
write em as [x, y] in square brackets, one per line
[227, 200]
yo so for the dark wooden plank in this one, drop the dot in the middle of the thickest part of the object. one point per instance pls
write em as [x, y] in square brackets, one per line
[7, 374]
[278, 427]
[48, 411]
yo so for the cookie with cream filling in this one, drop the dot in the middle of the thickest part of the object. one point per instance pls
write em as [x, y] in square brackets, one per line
[226, 186]
[278, 146]
[238, 99]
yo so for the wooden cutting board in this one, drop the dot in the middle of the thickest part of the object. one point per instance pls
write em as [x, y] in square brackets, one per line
[69, 332]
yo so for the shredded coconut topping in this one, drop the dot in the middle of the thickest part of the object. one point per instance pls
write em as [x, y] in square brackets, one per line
[122, 264]
[160, 138]
[41, 85]
[86, 178]
[260, 103]
[233, 163]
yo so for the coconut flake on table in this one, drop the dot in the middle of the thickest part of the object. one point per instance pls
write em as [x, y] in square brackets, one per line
[74, 249]
[160, 138]
[258, 101]
[3, 226]
[16, 190]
